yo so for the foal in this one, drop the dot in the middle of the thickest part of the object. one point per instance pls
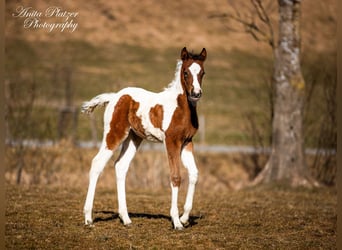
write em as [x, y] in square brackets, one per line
[170, 117]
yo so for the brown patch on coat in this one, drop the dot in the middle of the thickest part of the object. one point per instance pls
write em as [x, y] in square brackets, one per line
[176, 180]
[124, 118]
[119, 125]
[156, 116]
[135, 121]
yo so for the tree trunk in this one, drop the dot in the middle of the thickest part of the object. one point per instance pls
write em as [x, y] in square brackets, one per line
[287, 160]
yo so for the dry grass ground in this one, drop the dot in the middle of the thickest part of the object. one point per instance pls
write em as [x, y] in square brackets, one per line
[45, 210]
[45, 217]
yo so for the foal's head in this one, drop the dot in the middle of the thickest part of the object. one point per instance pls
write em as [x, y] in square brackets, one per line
[192, 73]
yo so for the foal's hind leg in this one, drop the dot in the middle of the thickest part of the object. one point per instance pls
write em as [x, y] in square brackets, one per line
[97, 166]
[189, 162]
[129, 148]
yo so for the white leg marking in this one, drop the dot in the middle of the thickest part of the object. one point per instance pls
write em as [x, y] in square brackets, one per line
[189, 162]
[97, 166]
[129, 148]
[174, 209]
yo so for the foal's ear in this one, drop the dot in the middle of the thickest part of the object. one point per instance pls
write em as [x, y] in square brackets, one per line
[203, 54]
[184, 54]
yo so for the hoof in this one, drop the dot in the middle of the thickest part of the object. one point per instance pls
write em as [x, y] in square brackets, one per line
[186, 224]
[184, 221]
[179, 228]
[89, 223]
[125, 220]
[128, 224]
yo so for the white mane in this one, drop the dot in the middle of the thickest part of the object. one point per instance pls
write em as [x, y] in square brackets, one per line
[176, 83]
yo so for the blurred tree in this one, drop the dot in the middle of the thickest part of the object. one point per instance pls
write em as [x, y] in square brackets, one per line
[287, 159]
[20, 95]
[68, 115]
[286, 163]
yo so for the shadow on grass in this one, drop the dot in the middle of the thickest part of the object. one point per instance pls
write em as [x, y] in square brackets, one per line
[110, 215]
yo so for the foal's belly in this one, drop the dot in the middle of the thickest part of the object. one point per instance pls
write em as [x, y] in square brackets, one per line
[147, 131]
[155, 136]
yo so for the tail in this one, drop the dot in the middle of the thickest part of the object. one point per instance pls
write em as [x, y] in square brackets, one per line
[102, 100]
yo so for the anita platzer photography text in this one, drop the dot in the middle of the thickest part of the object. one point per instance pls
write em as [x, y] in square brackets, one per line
[51, 19]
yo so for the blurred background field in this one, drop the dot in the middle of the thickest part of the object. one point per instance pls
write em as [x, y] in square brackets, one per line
[236, 86]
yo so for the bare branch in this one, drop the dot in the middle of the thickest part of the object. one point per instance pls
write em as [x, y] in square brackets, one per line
[264, 17]
[260, 10]
[255, 22]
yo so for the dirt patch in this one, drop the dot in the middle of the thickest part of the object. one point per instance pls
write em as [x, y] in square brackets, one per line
[45, 217]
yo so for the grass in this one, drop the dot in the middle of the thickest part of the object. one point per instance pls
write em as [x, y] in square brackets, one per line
[41, 217]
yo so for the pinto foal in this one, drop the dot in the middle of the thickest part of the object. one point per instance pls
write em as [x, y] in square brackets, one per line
[134, 114]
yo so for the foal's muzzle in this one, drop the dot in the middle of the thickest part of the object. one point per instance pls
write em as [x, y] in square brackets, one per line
[195, 96]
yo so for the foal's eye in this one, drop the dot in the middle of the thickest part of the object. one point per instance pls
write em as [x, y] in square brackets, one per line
[185, 74]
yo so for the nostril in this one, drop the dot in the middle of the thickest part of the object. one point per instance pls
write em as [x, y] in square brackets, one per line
[198, 95]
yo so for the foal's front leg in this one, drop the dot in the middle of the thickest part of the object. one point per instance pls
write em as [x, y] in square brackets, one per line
[173, 151]
[189, 162]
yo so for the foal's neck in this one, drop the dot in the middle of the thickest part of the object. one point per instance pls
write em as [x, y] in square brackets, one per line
[189, 109]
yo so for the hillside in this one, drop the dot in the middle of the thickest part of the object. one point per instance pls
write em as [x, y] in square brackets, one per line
[163, 24]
